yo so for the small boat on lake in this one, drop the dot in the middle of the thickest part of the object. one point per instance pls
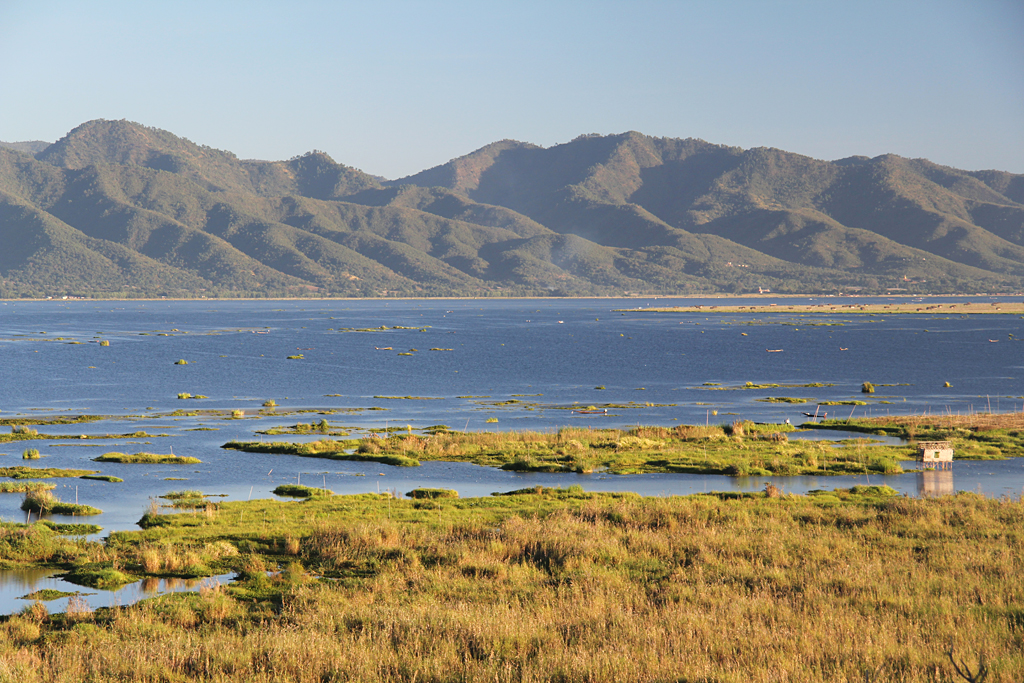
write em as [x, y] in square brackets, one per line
[774, 350]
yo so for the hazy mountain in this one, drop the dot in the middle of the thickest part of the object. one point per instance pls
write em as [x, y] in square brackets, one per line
[28, 147]
[120, 209]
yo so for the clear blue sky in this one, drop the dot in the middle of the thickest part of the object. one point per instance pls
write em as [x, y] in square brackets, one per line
[395, 87]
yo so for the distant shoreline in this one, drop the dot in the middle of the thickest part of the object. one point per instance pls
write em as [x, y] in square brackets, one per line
[1008, 307]
[746, 309]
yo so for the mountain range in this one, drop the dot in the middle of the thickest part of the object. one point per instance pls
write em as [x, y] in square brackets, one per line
[118, 209]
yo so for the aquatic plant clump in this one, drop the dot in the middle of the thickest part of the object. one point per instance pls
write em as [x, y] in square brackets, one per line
[48, 594]
[44, 502]
[742, 448]
[147, 458]
[298, 491]
[23, 472]
[107, 578]
[72, 529]
[25, 486]
[326, 448]
[433, 493]
[178, 495]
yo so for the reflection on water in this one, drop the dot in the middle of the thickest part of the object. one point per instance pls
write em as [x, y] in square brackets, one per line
[22, 579]
[935, 483]
[15, 584]
[154, 586]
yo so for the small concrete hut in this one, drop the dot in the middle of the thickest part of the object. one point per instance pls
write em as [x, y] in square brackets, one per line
[935, 454]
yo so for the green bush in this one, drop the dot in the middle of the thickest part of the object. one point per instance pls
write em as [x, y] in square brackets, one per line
[433, 493]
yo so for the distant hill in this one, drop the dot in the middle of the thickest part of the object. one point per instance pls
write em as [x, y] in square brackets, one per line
[29, 147]
[115, 208]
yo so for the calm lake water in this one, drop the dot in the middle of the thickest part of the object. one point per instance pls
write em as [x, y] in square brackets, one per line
[525, 363]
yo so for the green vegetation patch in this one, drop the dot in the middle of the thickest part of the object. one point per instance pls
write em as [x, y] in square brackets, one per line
[44, 502]
[26, 434]
[348, 449]
[382, 328]
[99, 577]
[103, 477]
[179, 495]
[299, 491]
[757, 385]
[58, 420]
[980, 436]
[72, 529]
[48, 594]
[25, 486]
[433, 493]
[147, 458]
[322, 427]
[188, 500]
[742, 448]
[411, 398]
[23, 472]
[560, 571]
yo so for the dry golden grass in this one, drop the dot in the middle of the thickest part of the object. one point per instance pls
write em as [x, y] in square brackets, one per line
[576, 588]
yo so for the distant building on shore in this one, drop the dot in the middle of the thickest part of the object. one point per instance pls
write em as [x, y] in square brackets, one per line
[935, 454]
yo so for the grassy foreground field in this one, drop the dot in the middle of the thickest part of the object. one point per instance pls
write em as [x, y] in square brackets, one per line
[544, 585]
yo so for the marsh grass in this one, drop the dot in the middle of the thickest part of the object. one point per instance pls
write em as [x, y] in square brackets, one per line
[23, 472]
[559, 585]
[147, 458]
[977, 436]
[368, 450]
[433, 493]
[52, 420]
[25, 486]
[322, 427]
[34, 435]
[102, 477]
[186, 494]
[189, 500]
[740, 449]
[44, 502]
[72, 529]
[299, 491]
[48, 594]
[99, 577]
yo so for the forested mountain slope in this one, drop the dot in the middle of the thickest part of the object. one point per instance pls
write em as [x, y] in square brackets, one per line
[118, 209]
